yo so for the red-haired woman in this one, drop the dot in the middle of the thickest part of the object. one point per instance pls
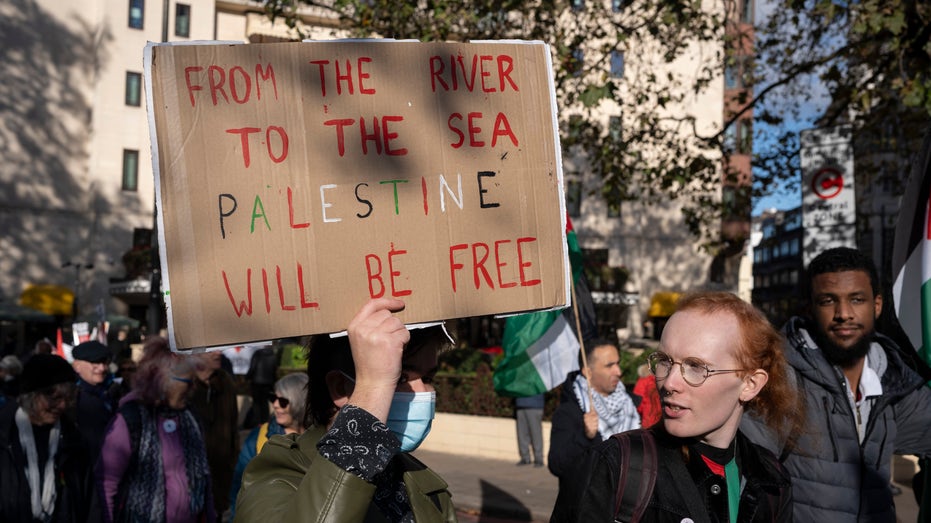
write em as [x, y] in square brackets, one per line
[718, 358]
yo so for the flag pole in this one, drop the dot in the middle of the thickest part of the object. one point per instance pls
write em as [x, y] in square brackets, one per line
[578, 331]
[578, 325]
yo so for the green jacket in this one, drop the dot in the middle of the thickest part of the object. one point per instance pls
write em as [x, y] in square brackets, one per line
[290, 482]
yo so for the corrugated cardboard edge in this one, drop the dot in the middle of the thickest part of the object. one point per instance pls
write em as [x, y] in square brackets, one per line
[165, 289]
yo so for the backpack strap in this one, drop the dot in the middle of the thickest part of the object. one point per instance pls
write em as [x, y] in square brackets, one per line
[637, 475]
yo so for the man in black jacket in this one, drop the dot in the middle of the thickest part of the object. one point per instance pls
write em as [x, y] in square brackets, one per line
[45, 473]
[593, 405]
[97, 394]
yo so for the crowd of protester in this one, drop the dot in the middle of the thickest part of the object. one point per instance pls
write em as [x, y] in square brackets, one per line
[144, 435]
[749, 414]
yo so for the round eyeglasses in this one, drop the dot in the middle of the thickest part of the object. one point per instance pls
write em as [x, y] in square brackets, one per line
[694, 371]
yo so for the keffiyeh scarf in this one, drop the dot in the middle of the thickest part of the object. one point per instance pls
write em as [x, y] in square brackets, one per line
[616, 412]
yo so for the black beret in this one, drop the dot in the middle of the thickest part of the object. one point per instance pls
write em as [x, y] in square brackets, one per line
[45, 370]
[92, 351]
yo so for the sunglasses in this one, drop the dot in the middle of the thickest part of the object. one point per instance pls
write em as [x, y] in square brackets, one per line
[282, 401]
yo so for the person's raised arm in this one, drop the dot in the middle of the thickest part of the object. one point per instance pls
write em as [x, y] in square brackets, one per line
[377, 338]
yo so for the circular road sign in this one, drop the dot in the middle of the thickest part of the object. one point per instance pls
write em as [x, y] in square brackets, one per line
[827, 183]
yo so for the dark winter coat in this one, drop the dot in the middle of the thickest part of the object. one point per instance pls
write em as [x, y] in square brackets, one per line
[95, 407]
[76, 500]
[567, 434]
[685, 489]
[837, 478]
[214, 403]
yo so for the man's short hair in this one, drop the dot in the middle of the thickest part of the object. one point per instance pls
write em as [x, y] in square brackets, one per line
[590, 347]
[840, 259]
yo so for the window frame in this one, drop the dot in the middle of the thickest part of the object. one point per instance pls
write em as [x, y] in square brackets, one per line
[136, 23]
[130, 180]
[133, 97]
[187, 16]
[574, 198]
[617, 60]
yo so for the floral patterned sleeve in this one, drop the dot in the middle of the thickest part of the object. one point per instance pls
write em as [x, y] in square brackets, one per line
[359, 443]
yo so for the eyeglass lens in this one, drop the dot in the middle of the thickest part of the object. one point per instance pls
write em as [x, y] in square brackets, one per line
[692, 372]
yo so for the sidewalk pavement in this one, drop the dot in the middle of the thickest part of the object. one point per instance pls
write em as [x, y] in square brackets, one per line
[495, 491]
[491, 491]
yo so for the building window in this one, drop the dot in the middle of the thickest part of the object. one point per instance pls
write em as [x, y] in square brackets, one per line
[612, 198]
[731, 73]
[738, 72]
[615, 128]
[574, 198]
[182, 20]
[730, 138]
[617, 63]
[769, 230]
[133, 88]
[576, 62]
[130, 170]
[738, 138]
[746, 11]
[745, 136]
[736, 202]
[136, 9]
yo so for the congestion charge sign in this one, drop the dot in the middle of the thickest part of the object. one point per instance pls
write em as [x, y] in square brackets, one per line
[295, 181]
[827, 183]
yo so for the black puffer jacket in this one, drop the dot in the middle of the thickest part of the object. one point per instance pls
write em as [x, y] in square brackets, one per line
[76, 500]
[684, 490]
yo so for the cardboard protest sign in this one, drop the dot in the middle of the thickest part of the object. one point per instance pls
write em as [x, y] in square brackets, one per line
[295, 181]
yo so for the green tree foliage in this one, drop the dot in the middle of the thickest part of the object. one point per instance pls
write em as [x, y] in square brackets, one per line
[658, 152]
[872, 56]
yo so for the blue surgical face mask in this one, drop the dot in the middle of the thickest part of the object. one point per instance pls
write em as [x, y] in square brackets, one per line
[410, 417]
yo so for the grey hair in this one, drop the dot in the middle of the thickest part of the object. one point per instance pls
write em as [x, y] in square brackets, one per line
[12, 365]
[294, 387]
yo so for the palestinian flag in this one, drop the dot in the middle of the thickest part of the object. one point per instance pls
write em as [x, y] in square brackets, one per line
[911, 267]
[911, 259]
[541, 348]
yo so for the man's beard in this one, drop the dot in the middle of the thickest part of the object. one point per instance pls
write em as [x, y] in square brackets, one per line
[843, 358]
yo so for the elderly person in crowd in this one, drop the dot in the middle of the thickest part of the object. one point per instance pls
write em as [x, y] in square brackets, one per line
[288, 401]
[153, 465]
[10, 369]
[97, 393]
[45, 474]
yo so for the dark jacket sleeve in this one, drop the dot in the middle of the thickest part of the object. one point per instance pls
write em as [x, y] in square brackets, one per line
[590, 492]
[567, 439]
[913, 423]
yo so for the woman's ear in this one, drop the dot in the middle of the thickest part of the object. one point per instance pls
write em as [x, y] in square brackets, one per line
[340, 387]
[753, 384]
